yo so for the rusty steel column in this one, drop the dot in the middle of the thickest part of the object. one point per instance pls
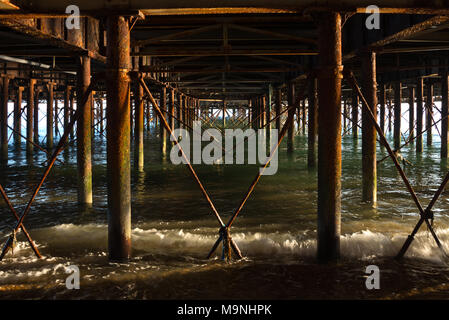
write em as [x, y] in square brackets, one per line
[163, 106]
[36, 115]
[224, 114]
[291, 128]
[329, 137]
[444, 113]
[419, 114]
[313, 123]
[118, 139]
[304, 117]
[50, 115]
[71, 113]
[84, 134]
[411, 113]
[397, 114]
[278, 106]
[429, 112]
[171, 106]
[179, 110]
[369, 170]
[390, 115]
[383, 101]
[355, 115]
[138, 130]
[263, 110]
[30, 114]
[4, 118]
[18, 116]
[66, 108]
[56, 117]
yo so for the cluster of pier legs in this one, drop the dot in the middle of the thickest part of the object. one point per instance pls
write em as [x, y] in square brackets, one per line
[321, 112]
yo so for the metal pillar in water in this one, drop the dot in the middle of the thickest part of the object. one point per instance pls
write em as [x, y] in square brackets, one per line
[30, 114]
[50, 115]
[4, 118]
[291, 128]
[313, 123]
[411, 113]
[163, 106]
[369, 166]
[429, 112]
[444, 113]
[118, 139]
[138, 130]
[84, 135]
[397, 115]
[419, 114]
[329, 137]
[18, 116]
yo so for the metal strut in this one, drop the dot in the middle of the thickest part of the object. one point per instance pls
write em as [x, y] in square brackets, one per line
[61, 145]
[225, 229]
[426, 214]
[164, 122]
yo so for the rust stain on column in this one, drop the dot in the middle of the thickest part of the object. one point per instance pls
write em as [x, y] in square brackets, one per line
[66, 107]
[171, 106]
[4, 118]
[383, 101]
[329, 137]
[118, 139]
[419, 113]
[369, 170]
[36, 114]
[291, 128]
[411, 113]
[18, 116]
[179, 111]
[277, 107]
[30, 114]
[313, 123]
[163, 106]
[444, 113]
[397, 114]
[138, 131]
[429, 113]
[50, 116]
[355, 115]
[84, 134]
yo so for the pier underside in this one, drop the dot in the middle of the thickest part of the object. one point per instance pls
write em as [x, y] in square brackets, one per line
[351, 101]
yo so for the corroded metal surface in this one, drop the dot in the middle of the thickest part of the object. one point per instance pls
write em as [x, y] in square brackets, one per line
[118, 139]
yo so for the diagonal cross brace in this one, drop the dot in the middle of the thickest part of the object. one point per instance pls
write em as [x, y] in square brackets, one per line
[27, 235]
[224, 231]
[425, 214]
[59, 148]
[164, 122]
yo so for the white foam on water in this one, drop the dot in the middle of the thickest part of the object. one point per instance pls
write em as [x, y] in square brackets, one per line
[90, 242]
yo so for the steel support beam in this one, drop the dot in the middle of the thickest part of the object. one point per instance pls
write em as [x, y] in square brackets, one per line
[329, 137]
[84, 135]
[50, 102]
[419, 114]
[118, 139]
[369, 170]
[312, 129]
[397, 115]
[444, 113]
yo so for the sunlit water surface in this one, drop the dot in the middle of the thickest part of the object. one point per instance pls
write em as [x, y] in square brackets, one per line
[173, 229]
